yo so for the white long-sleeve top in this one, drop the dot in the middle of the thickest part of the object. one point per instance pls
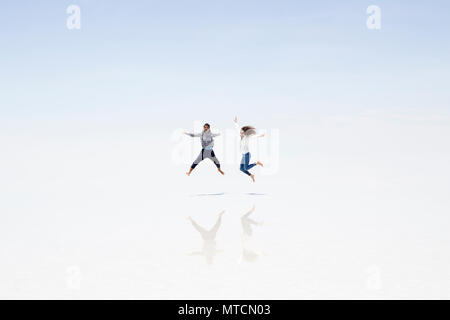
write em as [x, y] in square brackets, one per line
[245, 140]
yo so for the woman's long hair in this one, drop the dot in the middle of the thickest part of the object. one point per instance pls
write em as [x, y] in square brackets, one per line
[248, 130]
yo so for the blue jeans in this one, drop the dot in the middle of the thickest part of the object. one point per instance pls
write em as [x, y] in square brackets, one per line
[245, 163]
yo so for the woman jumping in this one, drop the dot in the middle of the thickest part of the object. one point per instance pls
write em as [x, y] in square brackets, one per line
[206, 138]
[246, 133]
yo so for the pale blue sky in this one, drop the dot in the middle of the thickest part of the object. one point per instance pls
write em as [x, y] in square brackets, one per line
[186, 60]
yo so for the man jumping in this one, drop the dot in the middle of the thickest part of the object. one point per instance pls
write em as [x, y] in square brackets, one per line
[207, 140]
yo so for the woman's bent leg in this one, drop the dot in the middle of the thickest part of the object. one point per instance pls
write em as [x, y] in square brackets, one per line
[248, 166]
[242, 168]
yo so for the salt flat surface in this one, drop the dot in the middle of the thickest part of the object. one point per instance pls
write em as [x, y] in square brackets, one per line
[355, 211]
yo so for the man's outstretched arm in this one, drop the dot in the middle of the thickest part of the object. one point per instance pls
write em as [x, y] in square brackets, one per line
[192, 134]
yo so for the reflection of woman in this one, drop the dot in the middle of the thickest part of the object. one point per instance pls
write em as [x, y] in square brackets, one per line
[209, 237]
[248, 253]
[246, 133]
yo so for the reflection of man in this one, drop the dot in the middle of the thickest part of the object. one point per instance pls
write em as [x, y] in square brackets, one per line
[209, 237]
[248, 253]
